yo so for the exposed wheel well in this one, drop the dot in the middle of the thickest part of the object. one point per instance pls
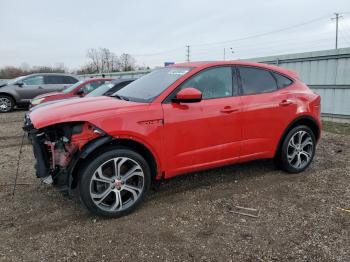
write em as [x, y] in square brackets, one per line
[304, 120]
[128, 143]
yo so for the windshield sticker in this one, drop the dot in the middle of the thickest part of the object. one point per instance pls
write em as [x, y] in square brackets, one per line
[178, 72]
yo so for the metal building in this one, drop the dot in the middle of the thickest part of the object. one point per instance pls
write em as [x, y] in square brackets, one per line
[326, 72]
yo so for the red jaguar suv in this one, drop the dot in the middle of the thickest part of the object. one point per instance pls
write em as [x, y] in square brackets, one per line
[174, 120]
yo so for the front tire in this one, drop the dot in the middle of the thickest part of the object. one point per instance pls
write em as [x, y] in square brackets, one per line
[7, 104]
[297, 151]
[114, 183]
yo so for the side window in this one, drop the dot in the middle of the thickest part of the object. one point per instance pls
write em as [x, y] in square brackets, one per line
[256, 81]
[282, 81]
[54, 80]
[213, 83]
[69, 80]
[34, 80]
[92, 86]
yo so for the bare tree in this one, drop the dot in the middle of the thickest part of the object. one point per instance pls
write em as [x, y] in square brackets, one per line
[127, 62]
[102, 60]
[12, 72]
[95, 60]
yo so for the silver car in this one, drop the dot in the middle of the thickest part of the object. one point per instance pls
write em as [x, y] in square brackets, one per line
[19, 91]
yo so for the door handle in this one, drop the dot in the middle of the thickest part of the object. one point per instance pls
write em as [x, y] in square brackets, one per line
[286, 102]
[228, 110]
[40, 87]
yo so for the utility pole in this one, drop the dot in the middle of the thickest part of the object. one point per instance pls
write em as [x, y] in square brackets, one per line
[188, 53]
[336, 18]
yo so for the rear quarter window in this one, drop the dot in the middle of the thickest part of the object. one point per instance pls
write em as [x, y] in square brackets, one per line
[282, 81]
[256, 80]
[53, 80]
[70, 80]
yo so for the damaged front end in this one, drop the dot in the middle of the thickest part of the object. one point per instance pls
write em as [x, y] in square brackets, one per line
[57, 148]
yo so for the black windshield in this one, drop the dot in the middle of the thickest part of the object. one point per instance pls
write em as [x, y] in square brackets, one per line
[150, 86]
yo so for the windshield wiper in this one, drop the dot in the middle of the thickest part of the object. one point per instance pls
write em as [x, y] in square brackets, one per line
[121, 97]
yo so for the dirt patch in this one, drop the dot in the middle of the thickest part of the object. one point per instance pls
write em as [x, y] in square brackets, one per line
[188, 219]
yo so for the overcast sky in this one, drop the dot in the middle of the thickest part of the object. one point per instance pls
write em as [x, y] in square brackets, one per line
[43, 32]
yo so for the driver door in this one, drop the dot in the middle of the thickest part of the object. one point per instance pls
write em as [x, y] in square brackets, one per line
[31, 87]
[206, 133]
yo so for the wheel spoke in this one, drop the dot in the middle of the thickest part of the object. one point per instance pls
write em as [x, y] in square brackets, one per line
[135, 191]
[100, 180]
[118, 200]
[306, 154]
[300, 137]
[292, 157]
[100, 196]
[134, 171]
[298, 163]
[292, 143]
[118, 162]
[308, 141]
[101, 176]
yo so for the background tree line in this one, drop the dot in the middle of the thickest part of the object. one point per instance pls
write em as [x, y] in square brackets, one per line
[100, 60]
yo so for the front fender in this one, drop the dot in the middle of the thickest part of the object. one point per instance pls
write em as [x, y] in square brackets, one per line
[94, 144]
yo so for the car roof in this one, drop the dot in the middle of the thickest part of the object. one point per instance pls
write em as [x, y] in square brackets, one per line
[97, 79]
[59, 74]
[206, 64]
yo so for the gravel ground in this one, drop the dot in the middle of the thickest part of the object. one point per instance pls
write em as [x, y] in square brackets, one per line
[188, 219]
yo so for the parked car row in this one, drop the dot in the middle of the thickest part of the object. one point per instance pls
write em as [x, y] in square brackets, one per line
[37, 89]
[19, 91]
[89, 88]
[174, 120]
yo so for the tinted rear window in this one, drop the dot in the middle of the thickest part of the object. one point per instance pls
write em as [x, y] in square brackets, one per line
[53, 79]
[282, 81]
[70, 80]
[57, 79]
[255, 80]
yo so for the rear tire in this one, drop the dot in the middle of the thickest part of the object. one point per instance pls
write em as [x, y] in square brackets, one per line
[7, 104]
[115, 183]
[297, 150]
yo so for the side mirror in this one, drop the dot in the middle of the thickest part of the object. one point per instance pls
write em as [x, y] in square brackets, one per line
[19, 84]
[188, 95]
[80, 92]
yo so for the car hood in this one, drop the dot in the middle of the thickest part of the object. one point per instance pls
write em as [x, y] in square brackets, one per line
[52, 102]
[49, 94]
[85, 109]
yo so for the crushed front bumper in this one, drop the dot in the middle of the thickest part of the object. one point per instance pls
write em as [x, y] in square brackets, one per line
[60, 177]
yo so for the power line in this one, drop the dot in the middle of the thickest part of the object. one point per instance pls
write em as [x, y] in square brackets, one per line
[237, 47]
[344, 35]
[267, 44]
[343, 30]
[238, 39]
[263, 34]
[159, 53]
[271, 44]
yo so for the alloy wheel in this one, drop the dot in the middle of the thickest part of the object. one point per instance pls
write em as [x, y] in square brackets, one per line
[300, 149]
[5, 104]
[117, 184]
